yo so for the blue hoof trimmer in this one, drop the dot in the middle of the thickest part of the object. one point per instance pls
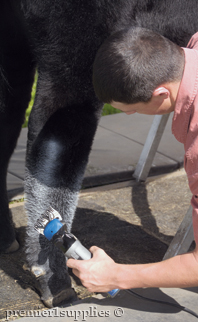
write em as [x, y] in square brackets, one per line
[54, 229]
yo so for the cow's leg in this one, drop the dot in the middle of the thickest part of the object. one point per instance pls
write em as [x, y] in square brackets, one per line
[16, 76]
[60, 139]
[65, 38]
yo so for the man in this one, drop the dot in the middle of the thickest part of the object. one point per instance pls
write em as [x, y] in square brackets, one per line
[140, 71]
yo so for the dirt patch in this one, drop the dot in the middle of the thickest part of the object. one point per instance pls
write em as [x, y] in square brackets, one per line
[133, 223]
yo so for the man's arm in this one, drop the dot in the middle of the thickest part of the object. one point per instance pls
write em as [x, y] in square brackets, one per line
[102, 274]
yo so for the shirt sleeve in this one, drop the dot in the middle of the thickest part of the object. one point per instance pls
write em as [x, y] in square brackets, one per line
[193, 42]
[191, 151]
[193, 185]
[192, 174]
[194, 203]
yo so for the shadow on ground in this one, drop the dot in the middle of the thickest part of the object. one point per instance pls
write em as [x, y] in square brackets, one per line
[124, 242]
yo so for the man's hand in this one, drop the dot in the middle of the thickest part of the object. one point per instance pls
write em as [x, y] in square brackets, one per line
[97, 274]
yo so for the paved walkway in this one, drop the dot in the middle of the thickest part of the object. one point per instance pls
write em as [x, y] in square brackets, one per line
[116, 149]
[126, 308]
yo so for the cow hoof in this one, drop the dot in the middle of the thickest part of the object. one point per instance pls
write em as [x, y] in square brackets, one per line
[13, 247]
[65, 296]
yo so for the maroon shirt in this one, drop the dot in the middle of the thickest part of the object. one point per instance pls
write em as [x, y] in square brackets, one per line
[185, 122]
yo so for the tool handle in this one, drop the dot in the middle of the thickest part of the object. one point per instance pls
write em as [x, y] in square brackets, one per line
[78, 251]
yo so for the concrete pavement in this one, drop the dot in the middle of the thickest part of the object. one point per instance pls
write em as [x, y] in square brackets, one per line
[126, 308]
[116, 149]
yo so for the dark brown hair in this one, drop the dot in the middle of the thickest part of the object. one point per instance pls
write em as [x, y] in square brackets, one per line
[131, 63]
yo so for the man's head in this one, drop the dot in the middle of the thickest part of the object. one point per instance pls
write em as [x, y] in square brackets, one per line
[132, 63]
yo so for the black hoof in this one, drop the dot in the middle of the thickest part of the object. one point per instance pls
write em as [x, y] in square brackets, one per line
[64, 297]
[58, 293]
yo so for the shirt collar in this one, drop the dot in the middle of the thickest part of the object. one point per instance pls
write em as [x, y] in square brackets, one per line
[186, 95]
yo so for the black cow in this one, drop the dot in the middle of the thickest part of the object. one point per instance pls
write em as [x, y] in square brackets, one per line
[61, 38]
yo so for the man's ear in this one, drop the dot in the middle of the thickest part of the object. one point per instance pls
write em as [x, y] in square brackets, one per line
[161, 92]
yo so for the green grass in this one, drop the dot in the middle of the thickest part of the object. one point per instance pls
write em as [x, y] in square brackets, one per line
[16, 201]
[28, 111]
[107, 109]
